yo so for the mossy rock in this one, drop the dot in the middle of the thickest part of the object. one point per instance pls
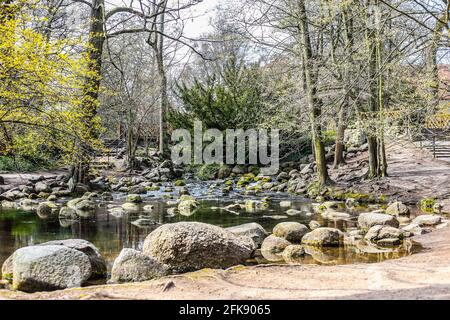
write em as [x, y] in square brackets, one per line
[208, 171]
[228, 183]
[180, 183]
[186, 197]
[426, 205]
[152, 188]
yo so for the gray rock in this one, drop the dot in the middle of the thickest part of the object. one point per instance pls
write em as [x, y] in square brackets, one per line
[273, 247]
[81, 204]
[291, 231]
[187, 207]
[253, 230]
[186, 246]
[46, 268]
[45, 209]
[134, 266]
[293, 253]
[98, 263]
[370, 219]
[67, 213]
[397, 209]
[42, 187]
[442, 207]
[427, 220]
[131, 207]
[323, 237]
[378, 232]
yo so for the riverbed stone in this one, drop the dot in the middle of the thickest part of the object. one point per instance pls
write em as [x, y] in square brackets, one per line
[45, 209]
[291, 231]
[68, 214]
[131, 207]
[187, 246]
[47, 268]
[134, 266]
[397, 209]
[253, 230]
[427, 220]
[273, 247]
[369, 219]
[335, 215]
[293, 253]
[379, 232]
[134, 198]
[323, 237]
[187, 207]
[42, 187]
[442, 207]
[286, 204]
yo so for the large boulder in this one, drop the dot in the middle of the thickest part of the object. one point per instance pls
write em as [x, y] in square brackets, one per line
[134, 266]
[291, 231]
[397, 209]
[323, 237]
[273, 247]
[186, 246]
[253, 230]
[369, 219]
[46, 268]
[98, 263]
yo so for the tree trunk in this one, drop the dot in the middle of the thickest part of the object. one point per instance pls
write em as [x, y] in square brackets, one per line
[315, 110]
[340, 131]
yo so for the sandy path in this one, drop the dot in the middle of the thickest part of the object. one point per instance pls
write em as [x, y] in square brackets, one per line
[425, 275]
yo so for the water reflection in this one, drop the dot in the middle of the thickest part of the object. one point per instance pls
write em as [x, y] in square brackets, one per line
[111, 231]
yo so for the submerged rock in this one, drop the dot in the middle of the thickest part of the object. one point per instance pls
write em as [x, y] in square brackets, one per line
[134, 266]
[370, 219]
[253, 230]
[187, 246]
[46, 268]
[323, 237]
[291, 231]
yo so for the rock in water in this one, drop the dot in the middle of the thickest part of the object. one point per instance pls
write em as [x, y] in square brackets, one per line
[370, 219]
[98, 263]
[252, 230]
[323, 237]
[377, 233]
[273, 247]
[187, 246]
[134, 266]
[293, 253]
[291, 231]
[46, 268]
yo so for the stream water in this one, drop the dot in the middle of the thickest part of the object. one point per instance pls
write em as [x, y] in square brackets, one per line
[110, 234]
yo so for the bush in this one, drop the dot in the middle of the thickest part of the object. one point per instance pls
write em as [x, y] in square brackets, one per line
[22, 164]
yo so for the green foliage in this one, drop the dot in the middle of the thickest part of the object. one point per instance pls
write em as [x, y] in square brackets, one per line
[22, 164]
[231, 99]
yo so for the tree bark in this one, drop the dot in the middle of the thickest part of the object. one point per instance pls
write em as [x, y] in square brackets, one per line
[315, 110]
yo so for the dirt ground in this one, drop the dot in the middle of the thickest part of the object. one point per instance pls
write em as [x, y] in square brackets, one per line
[413, 174]
[425, 275]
